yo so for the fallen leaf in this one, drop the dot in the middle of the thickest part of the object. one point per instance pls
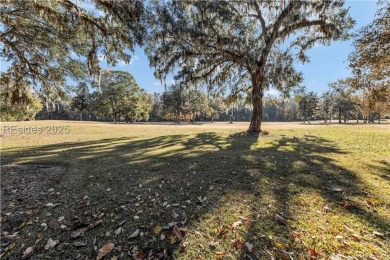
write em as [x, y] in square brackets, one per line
[313, 252]
[174, 214]
[51, 205]
[98, 223]
[213, 245]
[247, 221]
[39, 239]
[202, 199]
[356, 237]
[220, 254]
[178, 233]
[170, 225]
[237, 224]
[376, 233]
[139, 255]
[221, 232]
[157, 229]
[79, 244]
[10, 236]
[50, 244]
[78, 232]
[135, 234]
[237, 243]
[105, 250]
[249, 246]
[10, 247]
[60, 219]
[281, 220]
[280, 245]
[27, 252]
[118, 231]
[370, 202]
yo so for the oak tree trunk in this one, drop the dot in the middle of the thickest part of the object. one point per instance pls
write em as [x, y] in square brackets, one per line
[257, 103]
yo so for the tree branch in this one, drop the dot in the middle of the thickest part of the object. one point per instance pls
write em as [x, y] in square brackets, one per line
[300, 25]
[260, 17]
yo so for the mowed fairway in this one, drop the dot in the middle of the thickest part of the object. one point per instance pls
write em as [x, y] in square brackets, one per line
[197, 191]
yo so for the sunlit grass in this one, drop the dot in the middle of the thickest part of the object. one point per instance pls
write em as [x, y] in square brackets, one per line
[330, 183]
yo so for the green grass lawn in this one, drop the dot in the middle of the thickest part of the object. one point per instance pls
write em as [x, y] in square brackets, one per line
[197, 191]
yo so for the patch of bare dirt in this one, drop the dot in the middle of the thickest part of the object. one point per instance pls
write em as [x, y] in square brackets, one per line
[23, 187]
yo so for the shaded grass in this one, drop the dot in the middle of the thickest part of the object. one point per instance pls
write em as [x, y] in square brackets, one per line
[212, 178]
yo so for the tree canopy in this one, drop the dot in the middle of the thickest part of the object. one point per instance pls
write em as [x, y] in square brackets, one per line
[42, 39]
[371, 57]
[370, 64]
[241, 44]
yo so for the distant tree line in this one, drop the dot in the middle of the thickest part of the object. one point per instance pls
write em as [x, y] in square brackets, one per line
[118, 98]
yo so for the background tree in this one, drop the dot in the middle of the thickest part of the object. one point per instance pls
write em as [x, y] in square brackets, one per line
[325, 106]
[121, 94]
[239, 44]
[216, 107]
[137, 106]
[198, 104]
[307, 105]
[181, 102]
[156, 113]
[173, 103]
[100, 106]
[377, 102]
[81, 101]
[343, 104]
[270, 109]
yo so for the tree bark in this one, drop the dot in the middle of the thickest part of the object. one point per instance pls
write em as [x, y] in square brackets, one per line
[257, 103]
[340, 116]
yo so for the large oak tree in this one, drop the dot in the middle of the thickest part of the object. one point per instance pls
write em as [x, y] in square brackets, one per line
[243, 44]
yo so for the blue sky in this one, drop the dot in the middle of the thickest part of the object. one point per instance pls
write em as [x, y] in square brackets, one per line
[327, 63]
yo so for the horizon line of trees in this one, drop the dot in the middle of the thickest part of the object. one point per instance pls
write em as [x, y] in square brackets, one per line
[118, 98]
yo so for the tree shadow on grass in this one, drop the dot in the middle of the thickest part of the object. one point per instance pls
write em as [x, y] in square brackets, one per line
[297, 167]
[199, 183]
[384, 168]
